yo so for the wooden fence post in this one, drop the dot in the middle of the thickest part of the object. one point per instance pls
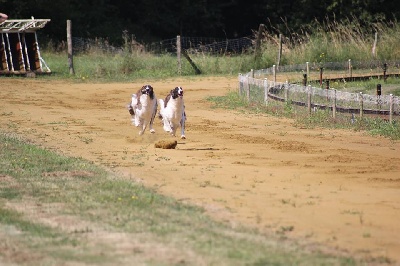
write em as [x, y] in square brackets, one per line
[274, 72]
[196, 69]
[252, 73]
[361, 105]
[257, 49]
[391, 107]
[308, 69]
[178, 53]
[70, 52]
[280, 50]
[309, 99]
[374, 46]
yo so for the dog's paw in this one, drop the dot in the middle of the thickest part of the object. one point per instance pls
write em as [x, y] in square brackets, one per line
[183, 137]
[152, 131]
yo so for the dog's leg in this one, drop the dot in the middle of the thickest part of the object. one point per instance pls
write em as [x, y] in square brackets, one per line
[143, 129]
[137, 121]
[164, 120]
[167, 125]
[174, 127]
[140, 123]
[183, 126]
[152, 118]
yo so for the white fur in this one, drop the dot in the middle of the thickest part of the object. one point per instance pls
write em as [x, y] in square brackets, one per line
[173, 114]
[144, 112]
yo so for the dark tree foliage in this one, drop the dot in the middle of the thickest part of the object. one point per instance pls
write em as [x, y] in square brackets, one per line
[152, 20]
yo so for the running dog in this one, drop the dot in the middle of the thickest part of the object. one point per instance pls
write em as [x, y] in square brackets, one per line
[143, 108]
[172, 112]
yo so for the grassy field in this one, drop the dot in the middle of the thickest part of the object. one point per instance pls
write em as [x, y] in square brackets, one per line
[56, 210]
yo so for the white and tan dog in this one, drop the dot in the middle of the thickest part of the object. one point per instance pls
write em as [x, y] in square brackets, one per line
[143, 108]
[172, 112]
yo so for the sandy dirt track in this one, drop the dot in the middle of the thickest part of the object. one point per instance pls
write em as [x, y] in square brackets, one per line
[337, 188]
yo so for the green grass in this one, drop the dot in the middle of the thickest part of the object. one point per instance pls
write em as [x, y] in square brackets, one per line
[390, 86]
[107, 67]
[51, 187]
[319, 118]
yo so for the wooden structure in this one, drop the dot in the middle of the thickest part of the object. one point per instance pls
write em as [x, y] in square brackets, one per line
[19, 47]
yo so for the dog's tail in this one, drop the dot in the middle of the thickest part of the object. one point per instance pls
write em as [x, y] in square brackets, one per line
[130, 109]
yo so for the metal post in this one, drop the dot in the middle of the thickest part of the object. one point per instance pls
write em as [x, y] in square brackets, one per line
[304, 80]
[384, 72]
[327, 89]
[378, 96]
[321, 70]
[361, 105]
[274, 71]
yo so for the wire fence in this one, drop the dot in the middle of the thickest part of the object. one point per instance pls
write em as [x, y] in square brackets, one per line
[84, 45]
[345, 71]
[263, 91]
[212, 46]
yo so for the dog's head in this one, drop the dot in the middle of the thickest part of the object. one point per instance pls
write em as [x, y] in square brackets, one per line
[147, 89]
[177, 92]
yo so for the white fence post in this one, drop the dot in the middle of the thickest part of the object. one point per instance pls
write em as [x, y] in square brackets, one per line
[391, 100]
[274, 72]
[308, 69]
[286, 91]
[266, 91]
[350, 69]
[240, 84]
[248, 89]
[334, 104]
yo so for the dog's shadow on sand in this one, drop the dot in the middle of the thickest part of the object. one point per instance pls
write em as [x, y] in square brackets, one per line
[149, 138]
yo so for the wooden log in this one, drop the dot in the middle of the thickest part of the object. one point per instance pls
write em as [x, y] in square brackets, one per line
[196, 69]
